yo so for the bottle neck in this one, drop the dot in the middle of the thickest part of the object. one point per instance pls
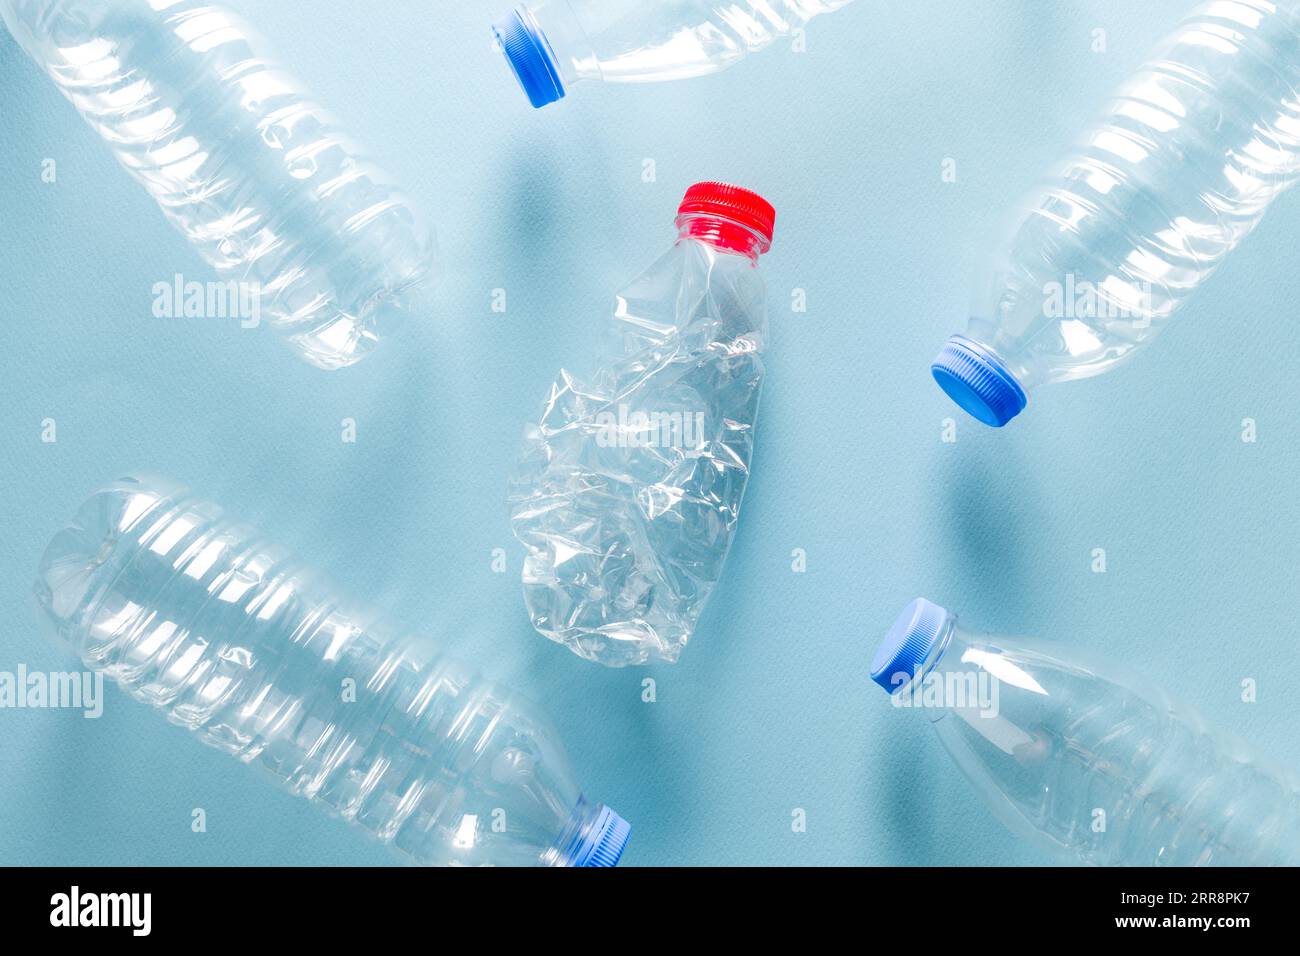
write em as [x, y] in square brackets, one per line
[935, 659]
[964, 677]
[724, 235]
[593, 835]
[566, 40]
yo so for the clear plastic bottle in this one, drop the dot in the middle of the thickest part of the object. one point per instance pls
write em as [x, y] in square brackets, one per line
[553, 44]
[629, 486]
[1181, 168]
[226, 634]
[246, 166]
[1097, 769]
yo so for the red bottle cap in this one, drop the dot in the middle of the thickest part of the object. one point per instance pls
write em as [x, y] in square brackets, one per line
[712, 211]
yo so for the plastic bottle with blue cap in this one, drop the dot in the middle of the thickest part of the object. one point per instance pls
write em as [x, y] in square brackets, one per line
[1092, 765]
[553, 44]
[200, 616]
[1183, 166]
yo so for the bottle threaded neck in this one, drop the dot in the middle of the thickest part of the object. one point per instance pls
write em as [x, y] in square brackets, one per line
[596, 836]
[530, 56]
[728, 217]
[974, 377]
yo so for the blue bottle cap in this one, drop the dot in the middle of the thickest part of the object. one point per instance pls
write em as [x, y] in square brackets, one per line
[530, 57]
[908, 644]
[604, 844]
[977, 380]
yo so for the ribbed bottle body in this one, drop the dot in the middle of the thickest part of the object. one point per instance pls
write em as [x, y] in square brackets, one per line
[1177, 172]
[252, 171]
[201, 617]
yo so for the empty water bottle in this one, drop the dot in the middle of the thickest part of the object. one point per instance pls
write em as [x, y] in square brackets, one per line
[1178, 172]
[630, 483]
[1095, 768]
[228, 636]
[552, 44]
[254, 173]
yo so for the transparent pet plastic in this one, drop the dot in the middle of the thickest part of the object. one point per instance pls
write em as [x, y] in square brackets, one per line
[257, 176]
[554, 44]
[229, 636]
[1182, 167]
[630, 484]
[1093, 766]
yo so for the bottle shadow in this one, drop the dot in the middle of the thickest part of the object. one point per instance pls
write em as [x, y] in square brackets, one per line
[903, 780]
[990, 513]
[992, 519]
[624, 742]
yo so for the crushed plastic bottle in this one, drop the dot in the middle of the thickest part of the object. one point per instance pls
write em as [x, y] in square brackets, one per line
[257, 176]
[201, 617]
[630, 484]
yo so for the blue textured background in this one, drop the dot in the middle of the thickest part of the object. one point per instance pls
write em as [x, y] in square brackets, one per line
[770, 709]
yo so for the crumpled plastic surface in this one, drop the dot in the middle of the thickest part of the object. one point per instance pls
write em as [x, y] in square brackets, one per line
[629, 486]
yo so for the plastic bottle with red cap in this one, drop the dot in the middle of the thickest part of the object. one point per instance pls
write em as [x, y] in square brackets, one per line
[552, 44]
[630, 482]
